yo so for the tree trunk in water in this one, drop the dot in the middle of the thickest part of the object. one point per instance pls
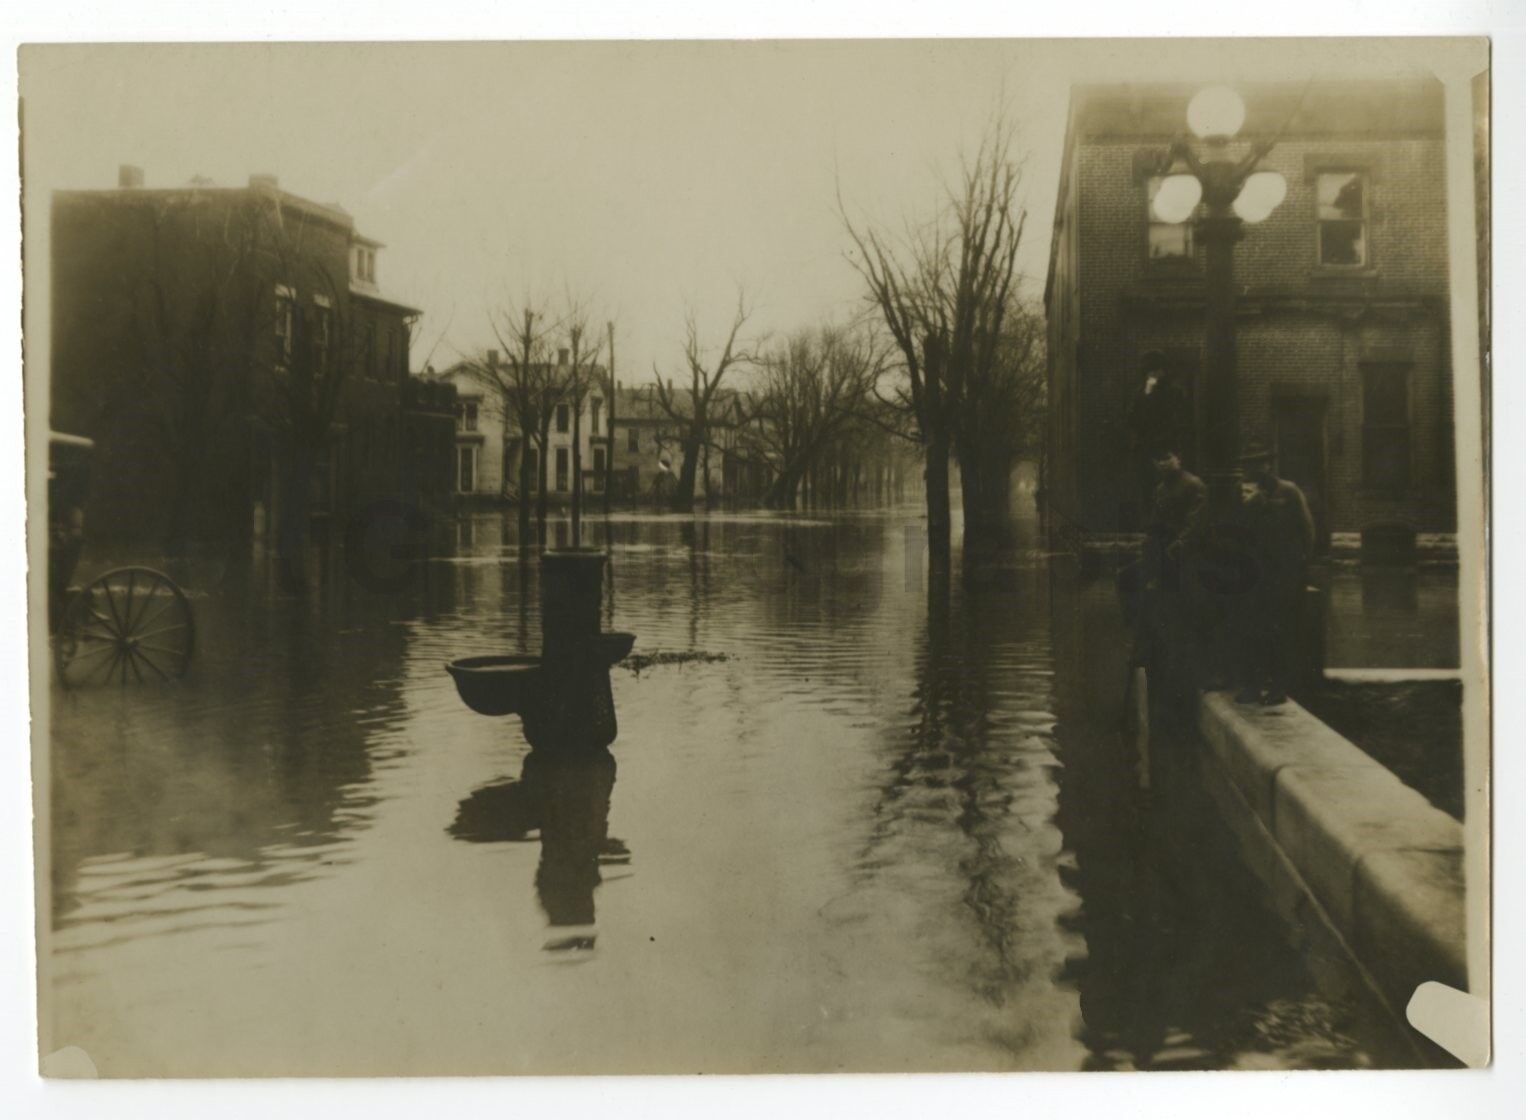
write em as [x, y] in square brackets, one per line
[524, 490]
[540, 497]
[987, 493]
[683, 493]
[577, 473]
[936, 477]
[782, 494]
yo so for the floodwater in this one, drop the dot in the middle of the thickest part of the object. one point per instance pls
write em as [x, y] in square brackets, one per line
[896, 828]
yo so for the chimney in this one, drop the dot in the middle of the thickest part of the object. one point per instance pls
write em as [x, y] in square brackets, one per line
[129, 177]
[263, 182]
[492, 359]
[561, 356]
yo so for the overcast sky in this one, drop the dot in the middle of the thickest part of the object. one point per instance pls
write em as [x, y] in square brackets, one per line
[646, 177]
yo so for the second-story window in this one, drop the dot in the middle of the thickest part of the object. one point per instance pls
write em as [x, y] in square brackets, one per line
[563, 418]
[321, 333]
[1168, 240]
[323, 328]
[286, 322]
[466, 417]
[1341, 199]
[365, 264]
[595, 406]
[632, 439]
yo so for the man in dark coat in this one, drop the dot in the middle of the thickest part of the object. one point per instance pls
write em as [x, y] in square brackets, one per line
[1163, 621]
[1283, 540]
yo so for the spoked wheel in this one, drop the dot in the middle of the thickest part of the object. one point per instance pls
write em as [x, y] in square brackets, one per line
[131, 625]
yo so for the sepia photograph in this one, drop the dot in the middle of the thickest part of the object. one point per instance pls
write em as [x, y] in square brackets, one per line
[758, 556]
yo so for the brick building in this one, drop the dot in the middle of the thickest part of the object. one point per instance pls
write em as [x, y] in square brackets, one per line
[1342, 317]
[230, 352]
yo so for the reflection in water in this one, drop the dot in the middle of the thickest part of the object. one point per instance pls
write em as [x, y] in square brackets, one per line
[1386, 617]
[566, 799]
[1185, 965]
[896, 829]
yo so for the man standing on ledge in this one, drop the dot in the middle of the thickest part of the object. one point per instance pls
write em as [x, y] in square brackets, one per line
[1176, 517]
[1165, 637]
[1283, 541]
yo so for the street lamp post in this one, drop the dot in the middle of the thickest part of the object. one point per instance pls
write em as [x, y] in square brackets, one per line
[1232, 192]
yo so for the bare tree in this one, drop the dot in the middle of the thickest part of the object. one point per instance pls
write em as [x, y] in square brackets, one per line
[1000, 419]
[943, 292]
[530, 389]
[815, 387]
[581, 376]
[693, 409]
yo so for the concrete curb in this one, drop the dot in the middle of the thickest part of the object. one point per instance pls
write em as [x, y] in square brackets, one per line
[1382, 862]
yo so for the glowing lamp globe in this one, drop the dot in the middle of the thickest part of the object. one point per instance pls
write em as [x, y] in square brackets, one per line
[1262, 193]
[1177, 198]
[1215, 113]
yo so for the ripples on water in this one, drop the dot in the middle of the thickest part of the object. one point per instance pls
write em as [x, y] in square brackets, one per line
[895, 829]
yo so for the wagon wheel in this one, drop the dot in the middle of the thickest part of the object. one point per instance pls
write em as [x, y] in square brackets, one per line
[129, 625]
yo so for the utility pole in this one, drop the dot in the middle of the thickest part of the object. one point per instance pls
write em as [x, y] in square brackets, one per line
[1219, 231]
[577, 437]
[609, 450]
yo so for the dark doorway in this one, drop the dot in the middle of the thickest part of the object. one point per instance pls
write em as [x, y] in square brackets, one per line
[1299, 432]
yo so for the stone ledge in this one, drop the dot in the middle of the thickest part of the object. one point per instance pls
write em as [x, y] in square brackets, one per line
[1409, 918]
[1381, 860]
[1253, 744]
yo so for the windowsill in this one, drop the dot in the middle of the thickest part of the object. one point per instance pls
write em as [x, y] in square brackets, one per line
[1343, 272]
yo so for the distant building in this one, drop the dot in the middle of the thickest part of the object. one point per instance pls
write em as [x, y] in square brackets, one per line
[1343, 356]
[649, 453]
[488, 438]
[592, 434]
[429, 436]
[480, 435]
[219, 344]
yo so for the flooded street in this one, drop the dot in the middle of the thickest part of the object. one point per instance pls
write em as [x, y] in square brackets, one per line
[895, 828]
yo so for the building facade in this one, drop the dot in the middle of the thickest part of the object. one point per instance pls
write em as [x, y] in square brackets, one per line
[488, 439]
[649, 454]
[231, 355]
[1342, 320]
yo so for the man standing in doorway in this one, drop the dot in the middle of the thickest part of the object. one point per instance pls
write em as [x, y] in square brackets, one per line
[1158, 418]
[1283, 540]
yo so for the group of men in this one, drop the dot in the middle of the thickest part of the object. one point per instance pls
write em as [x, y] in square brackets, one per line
[1268, 549]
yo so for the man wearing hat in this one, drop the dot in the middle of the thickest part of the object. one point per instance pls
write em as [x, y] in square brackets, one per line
[1283, 528]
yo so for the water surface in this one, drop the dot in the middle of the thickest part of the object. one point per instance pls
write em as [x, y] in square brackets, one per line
[897, 828]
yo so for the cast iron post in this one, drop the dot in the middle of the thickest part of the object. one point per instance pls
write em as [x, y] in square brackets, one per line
[1219, 231]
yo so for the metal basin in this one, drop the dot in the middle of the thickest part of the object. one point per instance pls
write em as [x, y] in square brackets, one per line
[505, 684]
[496, 685]
[617, 645]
